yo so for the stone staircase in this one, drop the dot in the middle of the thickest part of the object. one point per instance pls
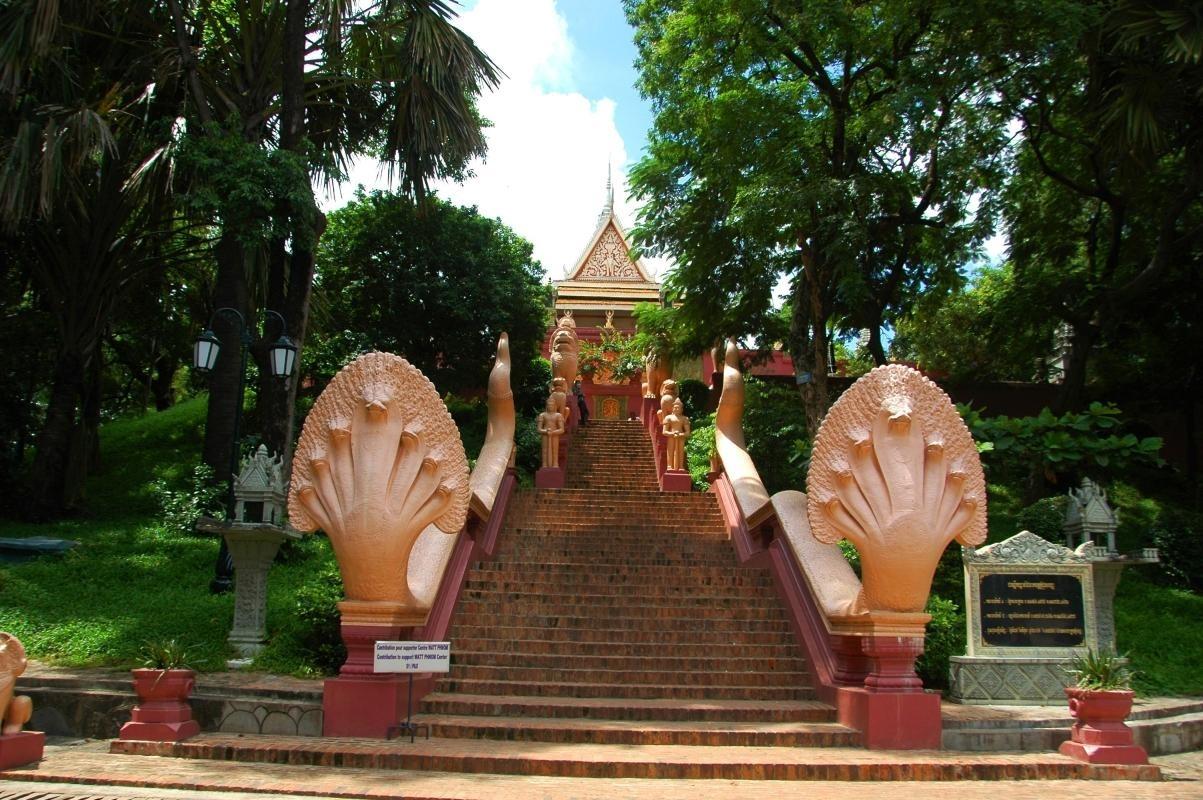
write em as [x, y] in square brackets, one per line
[614, 614]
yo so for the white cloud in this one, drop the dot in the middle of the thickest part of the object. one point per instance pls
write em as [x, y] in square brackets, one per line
[549, 146]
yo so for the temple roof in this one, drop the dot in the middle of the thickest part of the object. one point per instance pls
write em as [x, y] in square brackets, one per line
[605, 276]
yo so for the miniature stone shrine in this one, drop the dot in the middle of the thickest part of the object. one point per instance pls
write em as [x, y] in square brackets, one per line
[253, 537]
[1089, 517]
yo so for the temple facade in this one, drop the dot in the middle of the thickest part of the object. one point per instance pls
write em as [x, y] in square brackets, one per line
[600, 292]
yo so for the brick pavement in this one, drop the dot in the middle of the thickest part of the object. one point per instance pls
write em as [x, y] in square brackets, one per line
[79, 770]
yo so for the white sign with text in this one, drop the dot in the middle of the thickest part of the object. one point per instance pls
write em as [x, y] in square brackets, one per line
[412, 657]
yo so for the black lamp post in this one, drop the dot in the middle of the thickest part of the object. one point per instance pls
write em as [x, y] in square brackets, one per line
[282, 357]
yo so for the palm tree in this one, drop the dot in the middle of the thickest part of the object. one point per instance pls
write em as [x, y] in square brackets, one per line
[85, 178]
[310, 86]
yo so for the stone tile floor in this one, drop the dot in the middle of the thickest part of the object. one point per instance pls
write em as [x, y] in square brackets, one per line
[78, 771]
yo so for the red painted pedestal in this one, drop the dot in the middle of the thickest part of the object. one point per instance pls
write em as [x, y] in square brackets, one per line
[1100, 735]
[162, 713]
[676, 480]
[549, 478]
[18, 749]
[359, 702]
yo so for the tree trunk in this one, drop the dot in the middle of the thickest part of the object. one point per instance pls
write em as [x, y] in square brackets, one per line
[48, 475]
[230, 291]
[161, 384]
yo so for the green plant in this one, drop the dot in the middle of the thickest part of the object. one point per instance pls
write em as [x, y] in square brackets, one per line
[1100, 671]
[615, 358]
[694, 395]
[1045, 518]
[945, 638]
[318, 620]
[699, 447]
[164, 654]
[181, 507]
[1091, 441]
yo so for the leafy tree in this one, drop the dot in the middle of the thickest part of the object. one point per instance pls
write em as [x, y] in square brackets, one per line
[1105, 206]
[994, 329]
[837, 145]
[435, 284]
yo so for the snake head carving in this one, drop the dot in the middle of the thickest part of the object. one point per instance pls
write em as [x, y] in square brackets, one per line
[895, 472]
[379, 460]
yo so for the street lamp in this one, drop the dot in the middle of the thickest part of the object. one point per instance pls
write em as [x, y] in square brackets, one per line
[282, 356]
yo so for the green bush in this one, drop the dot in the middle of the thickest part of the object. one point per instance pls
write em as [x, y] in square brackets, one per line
[181, 507]
[698, 449]
[530, 447]
[317, 620]
[775, 430]
[1091, 442]
[945, 638]
[1045, 518]
[1176, 535]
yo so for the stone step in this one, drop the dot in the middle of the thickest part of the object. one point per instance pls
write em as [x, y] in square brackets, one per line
[632, 761]
[647, 572]
[634, 691]
[610, 708]
[677, 562]
[594, 731]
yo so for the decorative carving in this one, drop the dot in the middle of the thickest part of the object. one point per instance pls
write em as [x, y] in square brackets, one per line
[610, 408]
[668, 394]
[565, 349]
[609, 319]
[1089, 517]
[750, 494]
[559, 393]
[498, 448]
[1025, 548]
[610, 259]
[261, 482]
[379, 459]
[676, 430]
[551, 427]
[895, 472]
[14, 711]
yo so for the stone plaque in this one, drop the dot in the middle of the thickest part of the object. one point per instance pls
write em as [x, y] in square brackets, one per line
[1032, 610]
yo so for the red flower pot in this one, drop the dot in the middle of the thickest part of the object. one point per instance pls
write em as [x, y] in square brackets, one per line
[162, 713]
[1100, 736]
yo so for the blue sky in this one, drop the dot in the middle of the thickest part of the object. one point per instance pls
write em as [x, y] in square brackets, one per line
[567, 108]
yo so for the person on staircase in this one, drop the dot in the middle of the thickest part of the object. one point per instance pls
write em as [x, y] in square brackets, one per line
[581, 403]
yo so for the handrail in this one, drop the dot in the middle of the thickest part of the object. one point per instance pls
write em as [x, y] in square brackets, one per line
[498, 449]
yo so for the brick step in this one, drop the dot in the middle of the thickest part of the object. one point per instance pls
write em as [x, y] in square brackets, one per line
[776, 648]
[627, 708]
[579, 532]
[622, 584]
[589, 495]
[771, 664]
[716, 676]
[683, 564]
[683, 642]
[605, 621]
[593, 556]
[617, 614]
[707, 734]
[492, 757]
[649, 572]
[687, 595]
[540, 689]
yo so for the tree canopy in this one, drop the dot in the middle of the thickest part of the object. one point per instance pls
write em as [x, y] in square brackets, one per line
[436, 284]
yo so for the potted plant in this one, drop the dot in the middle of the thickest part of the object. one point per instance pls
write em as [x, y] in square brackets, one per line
[163, 685]
[1100, 700]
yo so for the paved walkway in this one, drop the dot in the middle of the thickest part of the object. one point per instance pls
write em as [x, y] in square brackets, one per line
[77, 771]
